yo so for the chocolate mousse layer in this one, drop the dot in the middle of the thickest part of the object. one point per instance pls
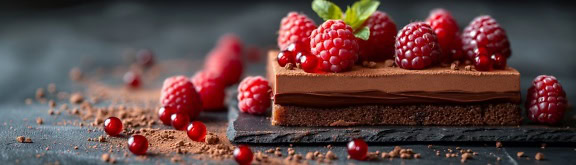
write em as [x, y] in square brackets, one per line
[384, 84]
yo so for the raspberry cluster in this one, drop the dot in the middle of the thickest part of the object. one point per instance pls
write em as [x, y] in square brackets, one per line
[546, 100]
[335, 45]
[416, 46]
[486, 43]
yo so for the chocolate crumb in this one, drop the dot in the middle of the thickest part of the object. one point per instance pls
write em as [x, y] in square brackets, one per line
[369, 64]
[498, 159]
[468, 68]
[75, 147]
[52, 104]
[417, 156]
[385, 155]
[389, 63]
[211, 138]
[278, 153]
[51, 112]
[454, 66]
[405, 156]
[20, 139]
[40, 93]
[76, 98]
[101, 139]
[520, 154]
[289, 66]
[39, 121]
[330, 155]
[466, 156]
[310, 156]
[448, 155]
[291, 151]
[430, 146]
[27, 140]
[539, 156]
[498, 145]
[270, 151]
[105, 157]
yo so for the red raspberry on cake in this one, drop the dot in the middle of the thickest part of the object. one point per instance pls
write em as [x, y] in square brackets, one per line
[546, 100]
[225, 65]
[380, 45]
[254, 95]
[211, 89]
[335, 46]
[231, 42]
[295, 28]
[448, 34]
[416, 46]
[484, 37]
[178, 92]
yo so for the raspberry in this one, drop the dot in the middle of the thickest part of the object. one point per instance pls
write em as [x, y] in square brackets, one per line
[178, 92]
[335, 46]
[380, 45]
[546, 100]
[448, 34]
[231, 42]
[485, 33]
[225, 65]
[254, 95]
[416, 46]
[294, 28]
[211, 89]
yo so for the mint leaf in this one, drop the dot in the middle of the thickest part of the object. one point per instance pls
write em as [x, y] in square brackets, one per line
[326, 9]
[360, 12]
[363, 33]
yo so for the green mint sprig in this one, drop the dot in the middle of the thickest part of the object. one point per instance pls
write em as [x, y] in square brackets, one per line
[354, 16]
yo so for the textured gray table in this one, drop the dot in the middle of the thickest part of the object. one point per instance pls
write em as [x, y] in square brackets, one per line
[39, 44]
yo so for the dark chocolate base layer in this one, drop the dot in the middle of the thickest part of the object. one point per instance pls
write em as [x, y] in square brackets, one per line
[423, 114]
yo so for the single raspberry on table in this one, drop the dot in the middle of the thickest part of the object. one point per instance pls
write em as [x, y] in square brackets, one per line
[211, 89]
[335, 46]
[448, 34]
[380, 45]
[179, 93]
[416, 46]
[231, 42]
[254, 95]
[484, 37]
[225, 65]
[546, 100]
[295, 28]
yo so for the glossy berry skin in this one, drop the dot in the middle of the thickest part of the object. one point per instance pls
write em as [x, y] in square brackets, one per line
[546, 100]
[196, 131]
[380, 44]
[178, 92]
[145, 58]
[138, 144]
[308, 62]
[243, 155]
[180, 121]
[113, 126]
[485, 33]
[335, 46]
[211, 89]
[254, 95]
[357, 149]
[285, 57]
[499, 61]
[483, 63]
[416, 46]
[132, 79]
[448, 33]
[225, 64]
[294, 28]
[165, 114]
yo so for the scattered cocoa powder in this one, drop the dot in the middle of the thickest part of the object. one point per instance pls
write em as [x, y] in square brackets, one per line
[211, 138]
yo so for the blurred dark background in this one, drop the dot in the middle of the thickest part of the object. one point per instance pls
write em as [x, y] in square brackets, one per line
[41, 40]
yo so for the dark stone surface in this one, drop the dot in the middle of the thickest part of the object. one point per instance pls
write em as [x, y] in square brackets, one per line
[245, 128]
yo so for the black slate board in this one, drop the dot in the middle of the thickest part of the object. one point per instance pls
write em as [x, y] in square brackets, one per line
[245, 128]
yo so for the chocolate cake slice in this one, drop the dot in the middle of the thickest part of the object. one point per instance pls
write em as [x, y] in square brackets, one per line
[388, 95]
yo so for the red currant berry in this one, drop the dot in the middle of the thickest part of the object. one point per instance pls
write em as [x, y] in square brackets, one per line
[132, 79]
[165, 114]
[180, 121]
[138, 144]
[483, 63]
[113, 126]
[285, 57]
[499, 61]
[196, 131]
[297, 47]
[243, 155]
[308, 62]
[357, 149]
[145, 58]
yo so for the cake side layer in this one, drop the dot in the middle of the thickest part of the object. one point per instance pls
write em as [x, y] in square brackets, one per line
[422, 114]
[331, 99]
[393, 80]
